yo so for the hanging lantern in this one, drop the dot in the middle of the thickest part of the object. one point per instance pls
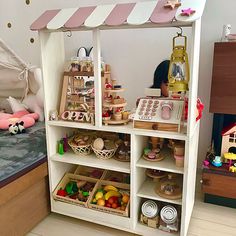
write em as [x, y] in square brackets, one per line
[178, 75]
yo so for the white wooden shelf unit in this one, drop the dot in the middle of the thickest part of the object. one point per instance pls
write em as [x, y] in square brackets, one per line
[51, 26]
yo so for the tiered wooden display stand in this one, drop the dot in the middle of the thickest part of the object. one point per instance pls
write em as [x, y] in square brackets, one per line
[149, 14]
[114, 106]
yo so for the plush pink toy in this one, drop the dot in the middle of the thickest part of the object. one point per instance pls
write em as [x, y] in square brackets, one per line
[28, 119]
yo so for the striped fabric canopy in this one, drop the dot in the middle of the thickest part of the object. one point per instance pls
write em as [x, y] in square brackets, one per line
[114, 15]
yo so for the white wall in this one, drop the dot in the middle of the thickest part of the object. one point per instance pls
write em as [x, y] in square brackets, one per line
[133, 55]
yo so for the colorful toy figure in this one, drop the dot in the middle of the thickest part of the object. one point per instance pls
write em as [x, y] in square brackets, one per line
[233, 168]
[217, 161]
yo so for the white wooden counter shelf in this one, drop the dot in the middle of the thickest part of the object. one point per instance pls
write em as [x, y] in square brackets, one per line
[148, 14]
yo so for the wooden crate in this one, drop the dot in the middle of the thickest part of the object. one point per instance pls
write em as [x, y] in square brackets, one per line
[115, 176]
[87, 171]
[72, 177]
[124, 188]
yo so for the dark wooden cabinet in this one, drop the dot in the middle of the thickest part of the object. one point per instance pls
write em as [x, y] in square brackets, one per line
[218, 186]
[223, 88]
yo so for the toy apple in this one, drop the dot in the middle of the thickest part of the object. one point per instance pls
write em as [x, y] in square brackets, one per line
[61, 192]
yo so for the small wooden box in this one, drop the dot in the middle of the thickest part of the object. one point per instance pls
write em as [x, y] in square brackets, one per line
[72, 177]
[88, 172]
[116, 176]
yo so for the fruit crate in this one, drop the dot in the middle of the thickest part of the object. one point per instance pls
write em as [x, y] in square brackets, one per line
[73, 198]
[116, 176]
[123, 189]
[90, 172]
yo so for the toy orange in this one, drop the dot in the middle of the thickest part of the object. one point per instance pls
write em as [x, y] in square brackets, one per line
[125, 198]
[101, 202]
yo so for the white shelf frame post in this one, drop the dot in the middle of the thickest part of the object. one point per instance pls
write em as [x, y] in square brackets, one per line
[191, 144]
[97, 77]
[52, 61]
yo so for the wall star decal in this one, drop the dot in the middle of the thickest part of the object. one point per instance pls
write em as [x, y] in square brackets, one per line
[172, 4]
[187, 12]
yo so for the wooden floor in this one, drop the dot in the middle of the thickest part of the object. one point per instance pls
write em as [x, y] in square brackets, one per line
[207, 220]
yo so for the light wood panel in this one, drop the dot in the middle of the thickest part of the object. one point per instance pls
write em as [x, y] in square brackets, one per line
[18, 186]
[223, 87]
[25, 210]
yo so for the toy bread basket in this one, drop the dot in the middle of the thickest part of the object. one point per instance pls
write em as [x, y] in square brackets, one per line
[104, 149]
[81, 144]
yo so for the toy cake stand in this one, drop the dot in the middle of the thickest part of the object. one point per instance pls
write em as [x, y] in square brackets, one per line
[123, 152]
[155, 174]
[157, 158]
[154, 154]
[115, 103]
[169, 189]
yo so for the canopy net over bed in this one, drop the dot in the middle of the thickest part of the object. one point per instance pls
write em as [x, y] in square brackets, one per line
[17, 78]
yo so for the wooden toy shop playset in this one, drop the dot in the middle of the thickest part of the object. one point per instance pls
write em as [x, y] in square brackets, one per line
[130, 171]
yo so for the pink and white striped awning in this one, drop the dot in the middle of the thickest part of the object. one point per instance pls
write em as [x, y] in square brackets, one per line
[115, 15]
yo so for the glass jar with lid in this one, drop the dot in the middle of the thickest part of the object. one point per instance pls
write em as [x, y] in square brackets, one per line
[86, 64]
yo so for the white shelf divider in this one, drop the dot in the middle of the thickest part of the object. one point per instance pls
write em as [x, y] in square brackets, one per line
[93, 161]
[147, 190]
[97, 77]
[126, 129]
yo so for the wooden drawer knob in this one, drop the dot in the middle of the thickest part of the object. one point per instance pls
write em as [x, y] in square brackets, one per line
[154, 127]
[205, 181]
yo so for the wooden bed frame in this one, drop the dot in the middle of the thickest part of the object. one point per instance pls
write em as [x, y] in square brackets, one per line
[24, 202]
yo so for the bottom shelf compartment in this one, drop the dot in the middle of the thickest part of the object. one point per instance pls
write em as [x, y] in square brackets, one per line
[158, 218]
[98, 194]
[114, 221]
[148, 231]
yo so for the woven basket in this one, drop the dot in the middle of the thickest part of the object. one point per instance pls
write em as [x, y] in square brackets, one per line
[80, 149]
[104, 154]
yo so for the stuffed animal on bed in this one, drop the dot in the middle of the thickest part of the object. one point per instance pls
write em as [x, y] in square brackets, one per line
[29, 119]
[17, 128]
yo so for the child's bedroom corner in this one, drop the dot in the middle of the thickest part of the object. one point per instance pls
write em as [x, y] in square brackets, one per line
[117, 118]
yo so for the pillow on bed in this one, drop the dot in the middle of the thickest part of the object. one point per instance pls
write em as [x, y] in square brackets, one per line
[15, 105]
[34, 105]
[5, 106]
[30, 103]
